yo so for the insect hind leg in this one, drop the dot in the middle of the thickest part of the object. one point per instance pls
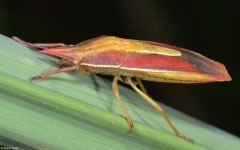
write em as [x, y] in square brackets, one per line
[158, 108]
[142, 86]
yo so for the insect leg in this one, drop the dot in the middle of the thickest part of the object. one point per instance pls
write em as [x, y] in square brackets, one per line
[38, 45]
[116, 93]
[54, 72]
[159, 108]
[142, 86]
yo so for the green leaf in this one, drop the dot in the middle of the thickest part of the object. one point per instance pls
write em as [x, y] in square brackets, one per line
[68, 111]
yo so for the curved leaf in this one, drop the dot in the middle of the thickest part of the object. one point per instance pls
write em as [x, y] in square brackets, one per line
[69, 111]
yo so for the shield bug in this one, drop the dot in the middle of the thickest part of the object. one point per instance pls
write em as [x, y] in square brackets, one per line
[126, 59]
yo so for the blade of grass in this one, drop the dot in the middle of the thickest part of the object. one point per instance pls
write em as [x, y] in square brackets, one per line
[69, 111]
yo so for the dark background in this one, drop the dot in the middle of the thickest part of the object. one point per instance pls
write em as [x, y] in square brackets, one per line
[207, 27]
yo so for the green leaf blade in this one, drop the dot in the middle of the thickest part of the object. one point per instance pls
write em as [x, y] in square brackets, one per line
[69, 111]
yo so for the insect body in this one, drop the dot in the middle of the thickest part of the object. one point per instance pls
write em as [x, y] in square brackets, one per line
[125, 58]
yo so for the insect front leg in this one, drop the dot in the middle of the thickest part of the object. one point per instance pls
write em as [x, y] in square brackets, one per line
[39, 45]
[44, 75]
[116, 93]
[159, 108]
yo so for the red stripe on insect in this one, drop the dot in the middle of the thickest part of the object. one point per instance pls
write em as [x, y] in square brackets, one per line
[156, 61]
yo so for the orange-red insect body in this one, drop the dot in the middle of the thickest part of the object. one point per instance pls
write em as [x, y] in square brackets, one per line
[145, 60]
[125, 58]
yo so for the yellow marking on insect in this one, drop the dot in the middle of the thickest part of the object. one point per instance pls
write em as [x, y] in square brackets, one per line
[125, 45]
[127, 68]
[164, 51]
[136, 46]
[94, 65]
[148, 70]
[159, 75]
